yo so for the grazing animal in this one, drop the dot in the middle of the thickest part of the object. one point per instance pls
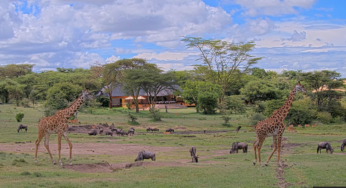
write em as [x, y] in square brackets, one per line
[238, 129]
[291, 129]
[313, 125]
[300, 125]
[154, 129]
[112, 126]
[93, 132]
[307, 125]
[57, 123]
[118, 131]
[291, 126]
[274, 126]
[100, 130]
[325, 145]
[343, 145]
[170, 130]
[238, 145]
[109, 133]
[149, 129]
[194, 157]
[123, 133]
[22, 127]
[204, 131]
[145, 155]
[131, 131]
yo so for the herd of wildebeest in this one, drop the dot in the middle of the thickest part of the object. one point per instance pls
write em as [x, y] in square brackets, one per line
[150, 155]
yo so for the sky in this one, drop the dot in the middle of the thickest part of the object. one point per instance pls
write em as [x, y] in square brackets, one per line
[305, 35]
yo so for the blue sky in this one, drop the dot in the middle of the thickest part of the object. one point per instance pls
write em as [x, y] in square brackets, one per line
[303, 35]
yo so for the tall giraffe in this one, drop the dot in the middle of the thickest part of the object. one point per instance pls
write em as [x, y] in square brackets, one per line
[57, 123]
[274, 126]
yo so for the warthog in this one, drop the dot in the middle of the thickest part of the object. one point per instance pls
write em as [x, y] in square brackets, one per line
[170, 130]
[325, 145]
[343, 145]
[149, 129]
[93, 132]
[109, 133]
[193, 151]
[238, 145]
[22, 127]
[145, 155]
[238, 129]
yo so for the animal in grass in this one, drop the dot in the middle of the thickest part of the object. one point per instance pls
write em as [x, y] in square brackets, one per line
[154, 129]
[170, 130]
[131, 131]
[123, 133]
[93, 132]
[57, 124]
[274, 126]
[117, 131]
[112, 126]
[343, 145]
[193, 154]
[238, 145]
[109, 133]
[100, 130]
[149, 129]
[239, 127]
[22, 127]
[145, 155]
[325, 145]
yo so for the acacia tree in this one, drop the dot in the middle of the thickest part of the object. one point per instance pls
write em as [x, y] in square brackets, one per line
[110, 75]
[222, 59]
[131, 70]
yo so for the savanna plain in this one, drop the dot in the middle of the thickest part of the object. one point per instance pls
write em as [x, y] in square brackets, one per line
[108, 161]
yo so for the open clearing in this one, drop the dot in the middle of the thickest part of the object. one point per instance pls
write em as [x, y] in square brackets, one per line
[105, 161]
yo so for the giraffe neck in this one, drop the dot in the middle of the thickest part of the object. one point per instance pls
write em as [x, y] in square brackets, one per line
[69, 111]
[283, 111]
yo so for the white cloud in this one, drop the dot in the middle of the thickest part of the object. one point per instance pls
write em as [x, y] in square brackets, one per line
[112, 59]
[165, 56]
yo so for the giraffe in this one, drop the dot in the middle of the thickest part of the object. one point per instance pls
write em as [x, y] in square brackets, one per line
[57, 123]
[274, 126]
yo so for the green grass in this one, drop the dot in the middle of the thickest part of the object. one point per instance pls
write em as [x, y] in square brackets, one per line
[217, 168]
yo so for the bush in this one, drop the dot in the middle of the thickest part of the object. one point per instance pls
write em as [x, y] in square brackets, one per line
[256, 118]
[208, 102]
[128, 105]
[324, 117]
[226, 119]
[103, 100]
[133, 119]
[37, 174]
[272, 105]
[19, 117]
[25, 173]
[302, 112]
[236, 104]
[25, 103]
[155, 114]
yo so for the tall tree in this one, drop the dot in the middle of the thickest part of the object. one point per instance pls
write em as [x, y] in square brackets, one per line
[222, 59]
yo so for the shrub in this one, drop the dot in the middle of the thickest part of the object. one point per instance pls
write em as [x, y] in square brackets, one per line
[155, 114]
[324, 117]
[19, 117]
[128, 105]
[236, 104]
[25, 173]
[25, 102]
[133, 119]
[37, 174]
[103, 100]
[256, 118]
[207, 101]
[302, 112]
[226, 119]
[272, 105]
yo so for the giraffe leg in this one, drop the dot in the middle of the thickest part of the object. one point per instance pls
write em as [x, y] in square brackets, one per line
[274, 149]
[254, 149]
[40, 136]
[279, 148]
[259, 151]
[70, 145]
[59, 147]
[46, 144]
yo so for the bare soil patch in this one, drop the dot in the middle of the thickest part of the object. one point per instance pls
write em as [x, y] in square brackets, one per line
[91, 168]
[280, 172]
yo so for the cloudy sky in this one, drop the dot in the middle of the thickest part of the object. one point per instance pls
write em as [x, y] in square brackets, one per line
[290, 34]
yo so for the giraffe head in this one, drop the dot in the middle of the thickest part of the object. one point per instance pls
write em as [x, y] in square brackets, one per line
[86, 95]
[299, 87]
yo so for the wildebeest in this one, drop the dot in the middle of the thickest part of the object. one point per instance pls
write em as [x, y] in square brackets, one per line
[131, 131]
[93, 132]
[149, 129]
[109, 133]
[145, 155]
[22, 127]
[117, 131]
[343, 145]
[100, 130]
[325, 145]
[238, 145]
[193, 151]
[154, 129]
[124, 133]
[238, 129]
[170, 130]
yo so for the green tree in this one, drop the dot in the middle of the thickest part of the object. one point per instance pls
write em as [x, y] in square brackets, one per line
[260, 90]
[221, 59]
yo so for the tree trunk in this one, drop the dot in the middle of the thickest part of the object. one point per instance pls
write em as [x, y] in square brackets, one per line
[110, 100]
[166, 108]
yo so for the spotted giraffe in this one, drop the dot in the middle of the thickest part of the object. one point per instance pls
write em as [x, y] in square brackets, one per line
[57, 124]
[274, 126]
